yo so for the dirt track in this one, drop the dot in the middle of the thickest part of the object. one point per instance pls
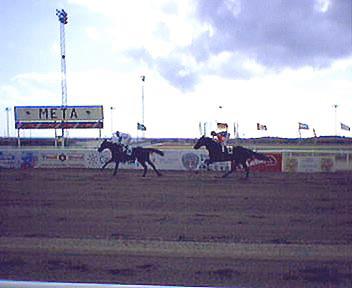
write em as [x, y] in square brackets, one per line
[274, 230]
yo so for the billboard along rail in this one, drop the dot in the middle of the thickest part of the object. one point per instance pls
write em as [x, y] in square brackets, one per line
[59, 117]
[186, 160]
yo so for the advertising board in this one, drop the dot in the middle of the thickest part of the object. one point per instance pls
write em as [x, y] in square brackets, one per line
[186, 160]
[58, 125]
[309, 164]
[57, 117]
[274, 165]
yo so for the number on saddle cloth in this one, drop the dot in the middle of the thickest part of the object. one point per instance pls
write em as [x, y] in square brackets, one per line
[128, 150]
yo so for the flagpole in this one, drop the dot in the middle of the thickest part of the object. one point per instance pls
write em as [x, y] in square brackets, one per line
[299, 130]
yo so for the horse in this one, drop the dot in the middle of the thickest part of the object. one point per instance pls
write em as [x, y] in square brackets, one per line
[119, 155]
[239, 155]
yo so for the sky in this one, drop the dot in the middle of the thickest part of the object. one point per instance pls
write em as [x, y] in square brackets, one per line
[275, 62]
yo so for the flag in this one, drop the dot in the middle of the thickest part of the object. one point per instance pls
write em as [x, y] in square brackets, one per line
[222, 126]
[143, 78]
[261, 127]
[141, 127]
[345, 127]
[303, 126]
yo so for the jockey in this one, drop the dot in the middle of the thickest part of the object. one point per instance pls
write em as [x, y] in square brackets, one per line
[121, 138]
[221, 138]
[124, 139]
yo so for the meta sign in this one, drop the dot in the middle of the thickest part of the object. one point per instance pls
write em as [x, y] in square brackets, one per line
[57, 117]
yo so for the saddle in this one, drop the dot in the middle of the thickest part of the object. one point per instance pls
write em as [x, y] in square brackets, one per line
[223, 153]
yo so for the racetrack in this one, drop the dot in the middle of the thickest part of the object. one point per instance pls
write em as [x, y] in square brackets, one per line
[81, 225]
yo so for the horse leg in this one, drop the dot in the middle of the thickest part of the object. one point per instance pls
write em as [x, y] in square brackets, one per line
[233, 168]
[208, 166]
[116, 167]
[106, 163]
[246, 168]
[207, 162]
[153, 166]
[144, 166]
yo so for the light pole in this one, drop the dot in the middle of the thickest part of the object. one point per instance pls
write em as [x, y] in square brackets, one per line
[7, 109]
[62, 15]
[112, 119]
[335, 107]
[220, 111]
[220, 118]
[143, 80]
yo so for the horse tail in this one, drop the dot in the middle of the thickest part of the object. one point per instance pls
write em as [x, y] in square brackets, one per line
[152, 150]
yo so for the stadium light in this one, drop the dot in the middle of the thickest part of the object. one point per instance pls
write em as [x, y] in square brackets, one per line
[7, 109]
[335, 106]
[143, 80]
[63, 18]
[112, 119]
[62, 15]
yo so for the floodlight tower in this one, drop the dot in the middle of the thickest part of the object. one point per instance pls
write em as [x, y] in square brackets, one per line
[63, 21]
[143, 81]
[335, 106]
[62, 15]
[7, 109]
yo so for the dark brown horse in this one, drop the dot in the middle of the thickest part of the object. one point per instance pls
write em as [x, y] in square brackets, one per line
[119, 155]
[239, 155]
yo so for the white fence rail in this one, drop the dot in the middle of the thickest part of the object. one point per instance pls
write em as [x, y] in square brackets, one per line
[30, 284]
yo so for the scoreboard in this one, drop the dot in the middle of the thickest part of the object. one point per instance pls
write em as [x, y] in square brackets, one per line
[59, 117]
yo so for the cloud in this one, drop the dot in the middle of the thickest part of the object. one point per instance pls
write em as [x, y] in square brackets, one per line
[9, 93]
[279, 34]
[177, 73]
[172, 67]
[48, 78]
[140, 55]
[237, 39]
[272, 35]
[92, 33]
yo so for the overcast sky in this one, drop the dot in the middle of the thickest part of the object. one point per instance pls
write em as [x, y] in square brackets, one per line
[274, 62]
